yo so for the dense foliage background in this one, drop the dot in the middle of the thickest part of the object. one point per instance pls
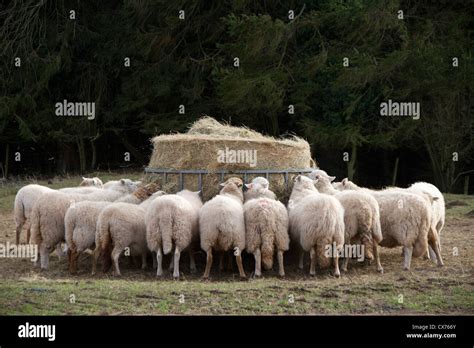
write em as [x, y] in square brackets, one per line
[282, 62]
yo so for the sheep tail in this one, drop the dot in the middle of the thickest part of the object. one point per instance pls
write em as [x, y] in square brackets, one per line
[19, 212]
[166, 226]
[69, 227]
[376, 229]
[35, 226]
[267, 250]
[103, 233]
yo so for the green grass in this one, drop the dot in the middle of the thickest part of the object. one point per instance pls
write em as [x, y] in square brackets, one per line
[426, 289]
[265, 296]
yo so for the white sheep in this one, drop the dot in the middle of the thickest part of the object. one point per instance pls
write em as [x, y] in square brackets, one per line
[25, 199]
[222, 224]
[121, 227]
[173, 220]
[266, 227]
[260, 189]
[80, 223]
[316, 223]
[95, 181]
[47, 216]
[81, 219]
[29, 194]
[405, 219]
[438, 211]
[361, 216]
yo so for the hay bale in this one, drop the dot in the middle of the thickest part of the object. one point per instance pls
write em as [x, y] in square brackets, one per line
[208, 142]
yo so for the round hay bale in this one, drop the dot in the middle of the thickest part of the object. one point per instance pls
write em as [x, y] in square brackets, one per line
[212, 146]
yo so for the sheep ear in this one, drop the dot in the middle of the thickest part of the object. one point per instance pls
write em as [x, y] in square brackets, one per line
[122, 181]
[83, 178]
[331, 178]
[249, 186]
[222, 184]
[344, 181]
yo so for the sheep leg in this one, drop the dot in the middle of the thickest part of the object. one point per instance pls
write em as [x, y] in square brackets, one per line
[18, 231]
[192, 262]
[238, 258]
[312, 268]
[281, 267]
[44, 256]
[177, 255]
[115, 258]
[106, 256]
[73, 256]
[144, 255]
[345, 263]
[154, 260]
[258, 263]
[337, 273]
[301, 259]
[208, 264]
[159, 261]
[375, 249]
[435, 245]
[95, 257]
[407, 251]
[28, 235]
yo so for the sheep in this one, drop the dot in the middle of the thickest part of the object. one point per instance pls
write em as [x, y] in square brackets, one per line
[405, 219]
[316, 223]
[222, 224]
[266, 227]
[438, 209]
[262, 191]
[173, 220]
[81, 219]
[29, 194]
[120, 226]
[361, 216]
[95, 181]
[80, 222]
[24, 202]
[47, 216]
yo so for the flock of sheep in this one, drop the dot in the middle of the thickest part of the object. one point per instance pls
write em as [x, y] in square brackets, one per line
[108, 220]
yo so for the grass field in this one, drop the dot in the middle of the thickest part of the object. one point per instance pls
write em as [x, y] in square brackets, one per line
[425, 289]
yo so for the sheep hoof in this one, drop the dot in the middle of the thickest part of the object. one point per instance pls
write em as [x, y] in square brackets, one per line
[380, 270]
[337, 275]
[440, 265]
